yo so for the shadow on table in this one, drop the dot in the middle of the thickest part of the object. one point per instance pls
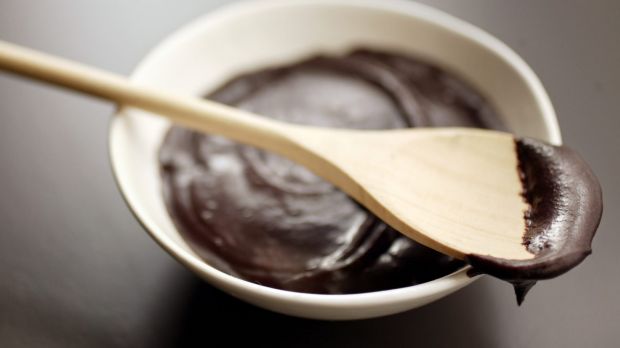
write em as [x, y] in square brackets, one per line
[210, 317]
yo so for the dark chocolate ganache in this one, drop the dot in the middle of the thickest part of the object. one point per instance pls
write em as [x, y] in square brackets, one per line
[260, 217]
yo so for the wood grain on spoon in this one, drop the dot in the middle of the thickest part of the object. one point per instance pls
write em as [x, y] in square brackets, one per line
[455, 190]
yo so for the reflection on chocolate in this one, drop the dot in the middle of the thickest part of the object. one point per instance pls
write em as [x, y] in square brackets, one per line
[566, 205]
[260, 217]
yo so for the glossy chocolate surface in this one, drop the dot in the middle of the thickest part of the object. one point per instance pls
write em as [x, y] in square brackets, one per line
[263, 218]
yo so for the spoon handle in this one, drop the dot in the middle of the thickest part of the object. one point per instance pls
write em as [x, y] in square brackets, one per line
[198, 114]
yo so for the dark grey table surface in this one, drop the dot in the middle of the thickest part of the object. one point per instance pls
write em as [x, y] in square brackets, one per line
[76, 269]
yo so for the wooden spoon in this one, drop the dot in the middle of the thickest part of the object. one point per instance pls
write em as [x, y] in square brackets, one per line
[455, 190]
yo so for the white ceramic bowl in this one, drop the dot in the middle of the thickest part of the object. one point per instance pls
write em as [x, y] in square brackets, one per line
[255, 34]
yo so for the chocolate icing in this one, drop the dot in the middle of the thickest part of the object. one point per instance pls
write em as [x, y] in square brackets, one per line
[265, 219]
[260, 217]
[565, 202]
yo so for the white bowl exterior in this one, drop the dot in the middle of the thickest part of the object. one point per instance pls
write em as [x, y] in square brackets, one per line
[250, 35]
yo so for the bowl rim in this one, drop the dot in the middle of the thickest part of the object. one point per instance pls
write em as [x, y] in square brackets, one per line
[450, 282]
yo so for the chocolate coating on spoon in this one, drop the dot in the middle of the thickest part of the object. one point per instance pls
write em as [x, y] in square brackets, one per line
[566, 206]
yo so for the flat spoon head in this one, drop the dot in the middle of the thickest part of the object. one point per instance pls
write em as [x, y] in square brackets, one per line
[518, 209]
[455, 190]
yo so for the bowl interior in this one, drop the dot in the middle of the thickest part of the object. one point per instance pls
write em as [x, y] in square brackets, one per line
[253, 35]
